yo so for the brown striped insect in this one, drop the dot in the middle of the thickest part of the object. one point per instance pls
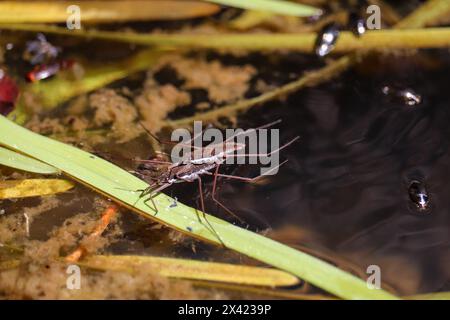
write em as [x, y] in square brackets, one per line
[161, 174]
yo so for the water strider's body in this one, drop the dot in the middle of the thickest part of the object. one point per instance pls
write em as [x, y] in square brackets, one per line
[161, 174]
[177, 173]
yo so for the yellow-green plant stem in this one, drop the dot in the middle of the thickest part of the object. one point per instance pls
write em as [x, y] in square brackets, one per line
[302, 42]
[102, 11]
[192, 269]
[121, 186]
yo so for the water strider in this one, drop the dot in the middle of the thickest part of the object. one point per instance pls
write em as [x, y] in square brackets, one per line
[161, 174]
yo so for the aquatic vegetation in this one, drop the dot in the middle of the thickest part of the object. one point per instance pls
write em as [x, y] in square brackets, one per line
[11, 189]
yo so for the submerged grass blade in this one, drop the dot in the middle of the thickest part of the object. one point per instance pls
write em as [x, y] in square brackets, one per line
[121, 186]
[102, 11]
[275, 6]
[12, 189]
[16, 160]
[194, 270]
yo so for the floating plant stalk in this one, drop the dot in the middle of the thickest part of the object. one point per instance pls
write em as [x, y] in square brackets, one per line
[302, 42]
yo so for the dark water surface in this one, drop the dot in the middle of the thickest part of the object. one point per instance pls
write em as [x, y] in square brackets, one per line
[346, 183]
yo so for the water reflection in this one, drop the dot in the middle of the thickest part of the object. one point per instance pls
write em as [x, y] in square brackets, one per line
[349, 180]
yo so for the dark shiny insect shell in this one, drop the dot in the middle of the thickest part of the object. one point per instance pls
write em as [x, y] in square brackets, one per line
[326, 39]
[357, 24]
[8, 93]
[419, 195]
[405, 96]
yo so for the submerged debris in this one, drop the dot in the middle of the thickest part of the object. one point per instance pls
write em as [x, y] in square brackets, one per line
[326, 39]
[115, 111]
[357, 24]
[8, 93]
[45, 71]
[406, 96]
[40, 50]
[419, 195]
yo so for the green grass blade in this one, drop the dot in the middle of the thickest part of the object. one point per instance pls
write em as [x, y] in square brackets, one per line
[275, 6]
[120, 185]
[18, 161]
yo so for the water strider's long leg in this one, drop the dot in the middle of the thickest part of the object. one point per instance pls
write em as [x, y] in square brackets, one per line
[152, 161]
[151, 194]
[213, 196]
[263, 154]
[216, 174]
[171, 142]
[202, 205]
[253, 129]
[200, 190]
